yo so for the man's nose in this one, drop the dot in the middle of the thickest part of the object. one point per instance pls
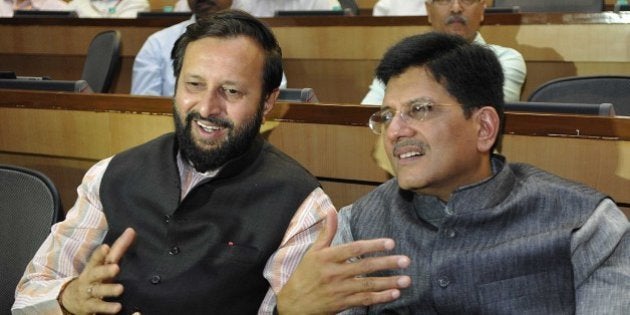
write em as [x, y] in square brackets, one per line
[399, 127]
[210, 104]
[456, 6]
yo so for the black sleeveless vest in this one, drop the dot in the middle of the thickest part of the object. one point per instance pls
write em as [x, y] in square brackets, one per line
[205, 254]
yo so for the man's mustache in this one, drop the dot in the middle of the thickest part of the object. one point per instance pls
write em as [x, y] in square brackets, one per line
[206, 2]
[456, 19]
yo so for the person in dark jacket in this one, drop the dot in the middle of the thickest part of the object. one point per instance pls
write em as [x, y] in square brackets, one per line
[187, 223]
[473, 234]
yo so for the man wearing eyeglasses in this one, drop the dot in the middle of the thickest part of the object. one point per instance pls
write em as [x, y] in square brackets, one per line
[459, 230]
[464, 18]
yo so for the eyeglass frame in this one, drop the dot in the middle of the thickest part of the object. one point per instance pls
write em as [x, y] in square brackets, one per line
[445, 3]
[424, 102]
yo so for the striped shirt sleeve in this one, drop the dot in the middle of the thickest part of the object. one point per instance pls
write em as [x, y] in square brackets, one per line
[65, 251]
[301, 233]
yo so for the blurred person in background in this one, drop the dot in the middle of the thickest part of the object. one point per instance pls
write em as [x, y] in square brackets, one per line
[268, 8]
[109, 8]
[7, 7]
[464, 18]
[399, 7]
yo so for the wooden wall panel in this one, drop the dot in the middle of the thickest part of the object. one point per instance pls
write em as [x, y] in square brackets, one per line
[582, 160]
[343, 194]
[351, 81]
[337, 56]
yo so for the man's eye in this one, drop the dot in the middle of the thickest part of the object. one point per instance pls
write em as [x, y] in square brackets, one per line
[419, 110]
[232, 94]
[387, 116]
[193, 84]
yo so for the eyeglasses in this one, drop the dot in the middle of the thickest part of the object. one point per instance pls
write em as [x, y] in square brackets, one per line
[450, 2]
[412, 112]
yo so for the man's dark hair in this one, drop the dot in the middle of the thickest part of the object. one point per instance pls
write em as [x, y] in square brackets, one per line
[469, 72]
[230, 24]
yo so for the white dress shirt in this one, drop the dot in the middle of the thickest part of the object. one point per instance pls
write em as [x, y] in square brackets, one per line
[399, 7]
[514, 72]
[109, 8]
[8, 6]
[268, 8]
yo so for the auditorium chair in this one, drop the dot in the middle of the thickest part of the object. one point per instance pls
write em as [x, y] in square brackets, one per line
[102, 61]
[589, 6]
[614, 89]
[297, 95]
[29, 205]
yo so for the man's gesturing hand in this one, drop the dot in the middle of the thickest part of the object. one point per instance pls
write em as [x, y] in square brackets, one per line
[84, 294]
[325, 282]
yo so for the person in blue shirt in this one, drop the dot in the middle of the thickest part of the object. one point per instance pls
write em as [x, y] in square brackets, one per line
[152, 69]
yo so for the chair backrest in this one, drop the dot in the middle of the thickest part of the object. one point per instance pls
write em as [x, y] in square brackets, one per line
[603, 109]
[587, 89]
[29, 205]
[553, 5]
[350, 5]
[298, 95]
[79, 86]
[102, 61]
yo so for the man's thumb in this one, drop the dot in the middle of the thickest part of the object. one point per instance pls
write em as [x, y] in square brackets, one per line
[329, 228]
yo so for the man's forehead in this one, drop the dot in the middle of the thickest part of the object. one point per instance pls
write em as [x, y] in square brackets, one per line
[412, 84]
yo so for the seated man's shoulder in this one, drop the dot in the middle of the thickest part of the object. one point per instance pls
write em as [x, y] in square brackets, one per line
[171, 33]
[383, 192]
[532, 177]
[505, 51]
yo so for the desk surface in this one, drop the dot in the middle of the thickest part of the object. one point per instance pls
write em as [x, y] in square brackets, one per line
[529, 124]
[63, 134]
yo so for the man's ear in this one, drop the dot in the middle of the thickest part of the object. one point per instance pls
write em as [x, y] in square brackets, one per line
[488, 123]
[270, 101]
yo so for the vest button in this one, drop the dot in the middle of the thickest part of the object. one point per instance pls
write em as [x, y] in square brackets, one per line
[156, 279]
[450, 233]
[444, 282]
[168, 218]
[174, 250]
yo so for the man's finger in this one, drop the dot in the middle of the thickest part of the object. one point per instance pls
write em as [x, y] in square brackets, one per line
[102, 290]
[102, 273]
[327, 233]
[102, 307]
[370, 298]
[375, 284]
[369, 265]
[349, 251]
[98, 256]
[120, 246]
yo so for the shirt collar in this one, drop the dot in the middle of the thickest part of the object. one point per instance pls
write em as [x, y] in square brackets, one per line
[479, 39]
[478, 196]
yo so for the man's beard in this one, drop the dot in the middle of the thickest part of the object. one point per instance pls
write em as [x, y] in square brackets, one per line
[237, 141]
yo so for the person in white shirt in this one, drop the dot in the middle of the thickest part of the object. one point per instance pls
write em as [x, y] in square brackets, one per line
[109, 8]
[268, 8]
[7, 7]
[399, 7]
[463, 18]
